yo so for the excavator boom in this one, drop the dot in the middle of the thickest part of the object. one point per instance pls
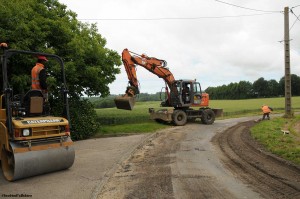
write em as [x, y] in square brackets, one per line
[154, 65]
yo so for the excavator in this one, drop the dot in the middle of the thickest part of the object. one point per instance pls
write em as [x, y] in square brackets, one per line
[32, 141]
[181, 94]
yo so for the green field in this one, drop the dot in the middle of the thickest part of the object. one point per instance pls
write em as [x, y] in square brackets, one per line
[231, 108]
[252, 106]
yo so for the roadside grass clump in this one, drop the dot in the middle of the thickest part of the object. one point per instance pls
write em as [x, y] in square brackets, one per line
[269, 134]
[116, 122]
[114, 116]
[128, 129]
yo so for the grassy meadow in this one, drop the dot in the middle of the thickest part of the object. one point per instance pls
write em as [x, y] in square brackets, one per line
[117, 121]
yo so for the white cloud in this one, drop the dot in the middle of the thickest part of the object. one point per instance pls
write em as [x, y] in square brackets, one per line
[215, 51]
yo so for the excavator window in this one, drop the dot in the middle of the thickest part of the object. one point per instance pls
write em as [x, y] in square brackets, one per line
[186, 93]
[197, 93]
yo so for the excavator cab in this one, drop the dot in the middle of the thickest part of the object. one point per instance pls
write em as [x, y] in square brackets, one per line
[32, 142]
[187, 93]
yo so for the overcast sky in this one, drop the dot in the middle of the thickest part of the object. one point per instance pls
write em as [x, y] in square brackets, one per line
[215, 42]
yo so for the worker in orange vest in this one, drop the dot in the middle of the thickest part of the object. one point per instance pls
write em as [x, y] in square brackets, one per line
[266, 111]
[39, 76]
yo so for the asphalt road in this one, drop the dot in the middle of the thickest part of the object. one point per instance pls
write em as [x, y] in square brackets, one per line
[179, 162]
[95, 159]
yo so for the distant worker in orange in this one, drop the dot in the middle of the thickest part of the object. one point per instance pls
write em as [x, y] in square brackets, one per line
[266, 111]
[39, 76]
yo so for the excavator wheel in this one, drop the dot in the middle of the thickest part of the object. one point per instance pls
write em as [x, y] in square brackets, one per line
[31, 163]
[208, 116]
[179, 118]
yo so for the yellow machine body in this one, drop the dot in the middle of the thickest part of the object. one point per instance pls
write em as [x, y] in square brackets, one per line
[32, 141]
[39, 145]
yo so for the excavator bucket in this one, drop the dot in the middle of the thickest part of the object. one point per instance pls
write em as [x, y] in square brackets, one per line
[124, 102]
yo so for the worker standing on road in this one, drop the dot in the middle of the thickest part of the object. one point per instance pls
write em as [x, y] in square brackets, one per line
[266, 111]
[39, 76]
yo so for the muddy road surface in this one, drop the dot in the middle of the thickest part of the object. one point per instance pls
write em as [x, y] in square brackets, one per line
[200, 161]
[193, 161]
[269, 175]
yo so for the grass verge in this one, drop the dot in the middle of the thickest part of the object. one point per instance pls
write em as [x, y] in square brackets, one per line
[127, 129]
[115, 121]
[269, 134]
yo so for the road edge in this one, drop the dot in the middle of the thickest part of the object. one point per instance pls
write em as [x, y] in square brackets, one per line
[98, 188]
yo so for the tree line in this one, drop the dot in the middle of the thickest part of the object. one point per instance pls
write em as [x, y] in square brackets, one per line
[260, 88]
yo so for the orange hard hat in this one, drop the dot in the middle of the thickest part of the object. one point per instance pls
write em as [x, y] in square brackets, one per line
[41, 57]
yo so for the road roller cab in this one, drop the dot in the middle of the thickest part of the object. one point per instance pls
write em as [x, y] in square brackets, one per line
[32, 141]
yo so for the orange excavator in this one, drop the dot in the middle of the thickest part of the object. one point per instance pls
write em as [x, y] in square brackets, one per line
[182, 95]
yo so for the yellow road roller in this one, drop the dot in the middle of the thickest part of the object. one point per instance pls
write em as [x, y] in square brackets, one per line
[32, 141]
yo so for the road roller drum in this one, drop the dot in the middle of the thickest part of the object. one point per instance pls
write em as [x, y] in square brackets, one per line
[24, 162]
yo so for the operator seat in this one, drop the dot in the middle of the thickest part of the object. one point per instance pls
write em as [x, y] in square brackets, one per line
[33, 103]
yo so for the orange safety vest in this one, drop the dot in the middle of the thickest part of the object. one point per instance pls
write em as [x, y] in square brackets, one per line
[265, 109]
[35, 80]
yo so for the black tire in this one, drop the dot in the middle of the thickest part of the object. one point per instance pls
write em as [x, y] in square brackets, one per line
[179, 118]
[208, 116]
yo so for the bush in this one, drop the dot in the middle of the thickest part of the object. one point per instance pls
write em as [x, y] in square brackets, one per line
[83, 117]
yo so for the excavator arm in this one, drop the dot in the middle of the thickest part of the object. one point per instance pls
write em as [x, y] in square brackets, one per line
[154, 65]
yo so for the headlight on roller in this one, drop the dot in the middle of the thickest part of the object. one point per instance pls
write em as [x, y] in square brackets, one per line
[25, 132]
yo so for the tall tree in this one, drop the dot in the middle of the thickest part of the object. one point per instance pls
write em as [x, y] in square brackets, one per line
[273, 88]
[260, 87]
[245, 90]
[48, 26]
[295, 85]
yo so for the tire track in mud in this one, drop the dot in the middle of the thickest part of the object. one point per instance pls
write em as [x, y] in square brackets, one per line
[267, 174]
[146, 174]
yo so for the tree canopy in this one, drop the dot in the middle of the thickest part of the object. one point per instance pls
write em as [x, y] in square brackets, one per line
[258, 89]
[48, 26]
